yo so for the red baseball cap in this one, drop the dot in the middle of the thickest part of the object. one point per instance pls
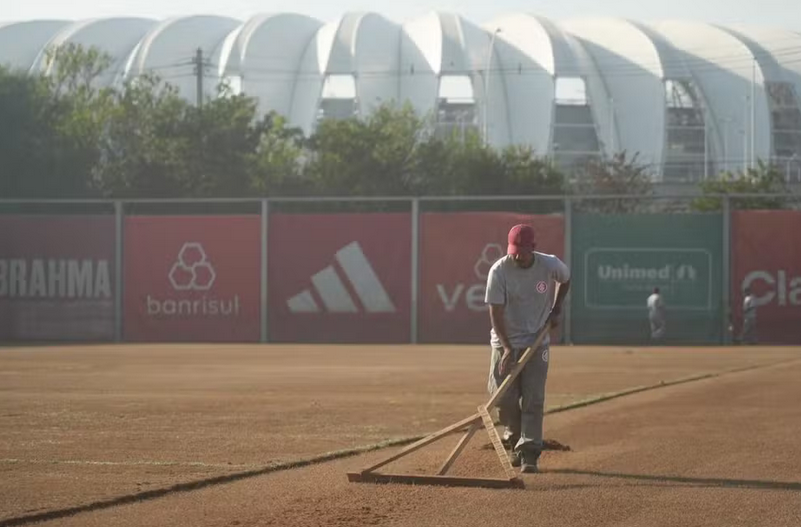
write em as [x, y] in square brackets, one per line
[521, 239]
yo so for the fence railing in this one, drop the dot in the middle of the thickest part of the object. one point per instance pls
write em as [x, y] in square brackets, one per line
[616, 257]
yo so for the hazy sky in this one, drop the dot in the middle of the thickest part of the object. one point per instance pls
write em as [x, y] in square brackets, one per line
[779, 13]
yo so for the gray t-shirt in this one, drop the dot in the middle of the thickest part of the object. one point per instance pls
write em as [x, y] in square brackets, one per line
[527, 294]
[656, 307]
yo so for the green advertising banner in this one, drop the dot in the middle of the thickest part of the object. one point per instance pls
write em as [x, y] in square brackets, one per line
[618, 260]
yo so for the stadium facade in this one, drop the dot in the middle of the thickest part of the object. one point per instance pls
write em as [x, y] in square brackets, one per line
[690, 98]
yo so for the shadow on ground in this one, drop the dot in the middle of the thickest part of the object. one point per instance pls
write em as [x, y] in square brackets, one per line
[699, 482]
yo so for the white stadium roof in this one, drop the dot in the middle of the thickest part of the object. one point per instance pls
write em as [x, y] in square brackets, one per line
[670, 91]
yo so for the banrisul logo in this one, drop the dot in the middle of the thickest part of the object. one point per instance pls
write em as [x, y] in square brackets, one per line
[192, 278]
[55, 279]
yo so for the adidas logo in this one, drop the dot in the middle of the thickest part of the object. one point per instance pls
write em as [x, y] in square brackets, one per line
[333, 292]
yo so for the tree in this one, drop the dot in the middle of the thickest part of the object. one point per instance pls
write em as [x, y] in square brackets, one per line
[156, 144]
[223, 137]
[371, 156]
[81, 109]
[278, 169]
[26, 136]
[50, 124]
[762, 179]
[620, 175]
[460, 165]
[525, 173]
[145, 147]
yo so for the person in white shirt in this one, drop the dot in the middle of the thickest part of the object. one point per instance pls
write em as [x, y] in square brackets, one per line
[748, 335]
[656, 315]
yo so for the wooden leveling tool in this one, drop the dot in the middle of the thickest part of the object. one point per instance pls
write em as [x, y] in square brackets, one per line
[472, 424]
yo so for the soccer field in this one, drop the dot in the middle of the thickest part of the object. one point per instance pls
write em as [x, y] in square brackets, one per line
[164, 434]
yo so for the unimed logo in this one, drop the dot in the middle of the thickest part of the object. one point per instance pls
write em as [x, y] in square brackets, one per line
[193, 272]
[54, 279]
[627, 273]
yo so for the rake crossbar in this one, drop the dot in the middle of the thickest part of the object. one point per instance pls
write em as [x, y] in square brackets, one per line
[473, 424]
[426, 441]
[496, 443]
[447, 481]
[458, 449]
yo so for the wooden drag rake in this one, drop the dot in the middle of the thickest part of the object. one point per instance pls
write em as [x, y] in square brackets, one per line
[473, 424]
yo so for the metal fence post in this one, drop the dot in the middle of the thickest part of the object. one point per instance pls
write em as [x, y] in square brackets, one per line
[726, 269]
[264, 312]
[567, 337]
[413, 338]
[118, 269]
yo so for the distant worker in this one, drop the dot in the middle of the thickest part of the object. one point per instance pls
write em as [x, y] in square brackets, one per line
[656, 315]
[748, 335]
[731, 336]
[521, 293]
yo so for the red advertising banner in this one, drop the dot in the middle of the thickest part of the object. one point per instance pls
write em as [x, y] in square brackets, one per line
[340, 278]
[56, 278]
[457, 252]
[192, 278]
[767, 258]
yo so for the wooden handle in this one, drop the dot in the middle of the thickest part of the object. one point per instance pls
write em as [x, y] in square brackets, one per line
[521, 363]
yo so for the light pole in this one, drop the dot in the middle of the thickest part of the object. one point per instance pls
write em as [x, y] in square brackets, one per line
[726, 122]
[798, 168]
[745, 150]
[746, 128]
[706, 145]
[486, 86]
[612, 144]
[753, 113]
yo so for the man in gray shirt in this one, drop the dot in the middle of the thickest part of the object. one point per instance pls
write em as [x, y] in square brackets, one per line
[521, 293]
[748, 335]
[656, 315]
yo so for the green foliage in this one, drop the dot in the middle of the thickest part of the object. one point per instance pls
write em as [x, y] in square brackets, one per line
[762, 179]
[621, 175]
[278, 159]
[63, 134]
[363, 157]
[51, 125]
[145, 149]
[26, 137]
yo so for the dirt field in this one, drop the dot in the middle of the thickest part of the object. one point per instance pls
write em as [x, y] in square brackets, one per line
[169, 435]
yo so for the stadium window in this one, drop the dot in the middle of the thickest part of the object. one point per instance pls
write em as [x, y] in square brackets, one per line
[575, 137]
[339, 99]
[686, 129]
[457, 114]
[785, 127]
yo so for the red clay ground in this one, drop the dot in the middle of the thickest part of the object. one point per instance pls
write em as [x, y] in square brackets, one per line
[159, 416]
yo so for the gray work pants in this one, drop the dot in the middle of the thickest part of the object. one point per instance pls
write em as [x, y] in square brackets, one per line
[520, 411]
[749, 335]
[657, 327]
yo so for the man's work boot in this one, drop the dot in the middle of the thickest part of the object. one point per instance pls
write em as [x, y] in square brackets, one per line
[528, 462]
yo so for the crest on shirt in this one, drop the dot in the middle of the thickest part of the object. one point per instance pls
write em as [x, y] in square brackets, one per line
[542, 288]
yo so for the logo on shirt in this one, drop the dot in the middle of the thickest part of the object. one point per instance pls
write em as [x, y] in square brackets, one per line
[542, 287]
